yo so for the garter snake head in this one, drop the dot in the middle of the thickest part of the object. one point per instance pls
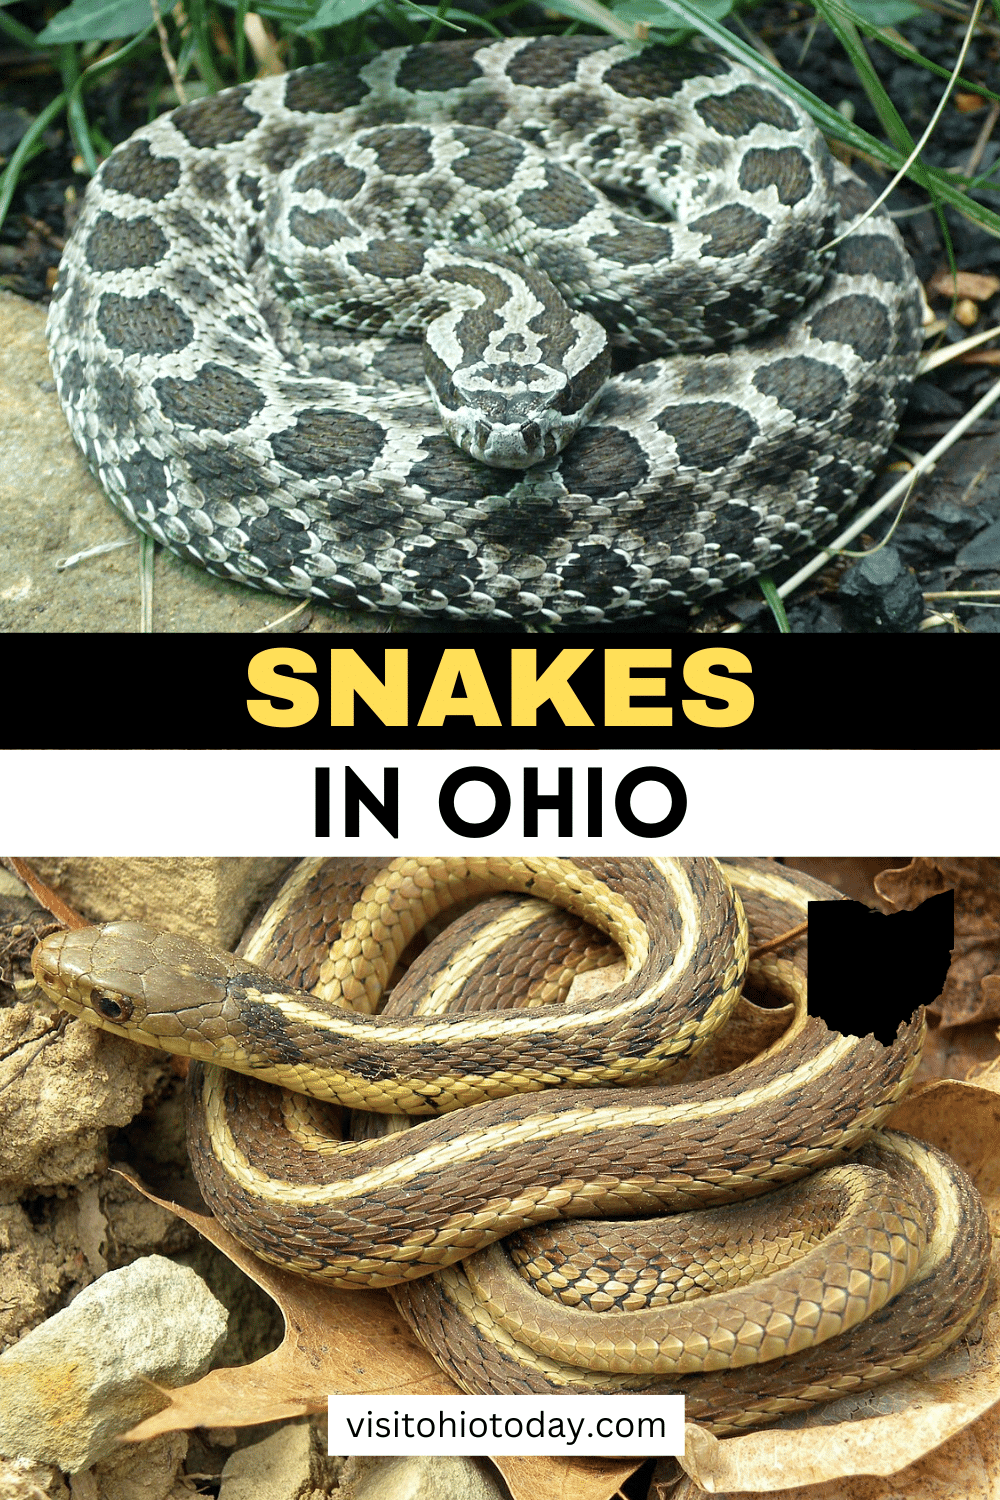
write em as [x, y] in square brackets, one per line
[149, 986]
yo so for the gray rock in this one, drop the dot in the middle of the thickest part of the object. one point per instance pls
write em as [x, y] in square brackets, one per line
[276, 1468]
[881, 594]
[72, 1385]
[419, 1478]
[20, 1479]
[287, 1464]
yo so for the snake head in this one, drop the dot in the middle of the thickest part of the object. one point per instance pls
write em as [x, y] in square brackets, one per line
[515, 371]
[150, 986]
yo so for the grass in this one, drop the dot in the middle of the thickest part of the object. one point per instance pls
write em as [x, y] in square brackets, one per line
[197, 46]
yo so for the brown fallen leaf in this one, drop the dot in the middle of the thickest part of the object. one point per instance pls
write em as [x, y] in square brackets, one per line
[972, 988]
[854, 877]
[971, 284]
[359, 1338]
[339, 1342]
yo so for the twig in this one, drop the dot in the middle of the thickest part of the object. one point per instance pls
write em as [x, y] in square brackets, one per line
[281, 620]
[975, 155]
[779, 942]
[167, 55]
[43, 894]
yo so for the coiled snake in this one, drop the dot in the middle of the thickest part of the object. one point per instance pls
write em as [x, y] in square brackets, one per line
[542, 209]
[894, 1241]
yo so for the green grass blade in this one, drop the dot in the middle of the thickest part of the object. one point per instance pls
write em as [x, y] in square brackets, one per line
[774, 603]
[24, 150]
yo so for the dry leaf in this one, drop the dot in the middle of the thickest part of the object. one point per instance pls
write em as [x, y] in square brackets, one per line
[895, 1430]
[339, 1342]
[972, 988]
[334, 1341]
[964, 283]
[853, 877]
[960, 1052]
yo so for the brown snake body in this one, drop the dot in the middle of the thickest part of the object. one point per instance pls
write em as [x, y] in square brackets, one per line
[403, 1208]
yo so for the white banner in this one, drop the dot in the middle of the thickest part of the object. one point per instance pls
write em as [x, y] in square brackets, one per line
[558, 1425]
[249, 802]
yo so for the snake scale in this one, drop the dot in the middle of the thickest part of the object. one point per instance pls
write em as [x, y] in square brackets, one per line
[570, 1217]
[534, 330]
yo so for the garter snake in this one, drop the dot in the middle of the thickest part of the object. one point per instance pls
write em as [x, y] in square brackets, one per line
[564, 1111]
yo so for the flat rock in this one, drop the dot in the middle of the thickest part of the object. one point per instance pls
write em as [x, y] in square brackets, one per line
[286, 1465]
[51, 507]
[276, 1468]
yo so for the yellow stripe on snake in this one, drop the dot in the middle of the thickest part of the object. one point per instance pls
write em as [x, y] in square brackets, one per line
[570, 1221]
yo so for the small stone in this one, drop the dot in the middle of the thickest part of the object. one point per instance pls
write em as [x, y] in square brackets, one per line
[881, 594]
[277, 1468]
[423, 1479]
[21, 1479]
[137, 1471]
[74, 1384]
[983, 551]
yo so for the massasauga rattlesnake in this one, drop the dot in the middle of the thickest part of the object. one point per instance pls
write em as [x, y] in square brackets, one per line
[218, 332]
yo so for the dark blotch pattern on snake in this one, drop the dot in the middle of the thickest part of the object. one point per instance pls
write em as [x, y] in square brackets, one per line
[224, 331]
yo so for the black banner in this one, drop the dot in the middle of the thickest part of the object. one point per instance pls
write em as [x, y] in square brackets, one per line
[581, 692]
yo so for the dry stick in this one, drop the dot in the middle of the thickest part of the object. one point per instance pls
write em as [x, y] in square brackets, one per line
[98, 550]
[952, 352]
[975, 155]
[147, 560]
[262, 45]
[281, 620]
[43, 893]
[779, 942]
[963, 594]
[168, 57]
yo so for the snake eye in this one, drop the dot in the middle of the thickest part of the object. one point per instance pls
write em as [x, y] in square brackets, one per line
[114, 1010]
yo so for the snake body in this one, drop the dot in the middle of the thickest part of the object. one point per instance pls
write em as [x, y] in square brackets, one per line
[932, 1311]
[834, 1246]
[233, 330]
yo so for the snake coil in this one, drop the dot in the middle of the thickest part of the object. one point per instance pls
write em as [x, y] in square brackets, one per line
[800, 1237]
[232, 331]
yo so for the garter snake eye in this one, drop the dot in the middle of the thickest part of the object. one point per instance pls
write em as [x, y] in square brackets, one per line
[114, 1007]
